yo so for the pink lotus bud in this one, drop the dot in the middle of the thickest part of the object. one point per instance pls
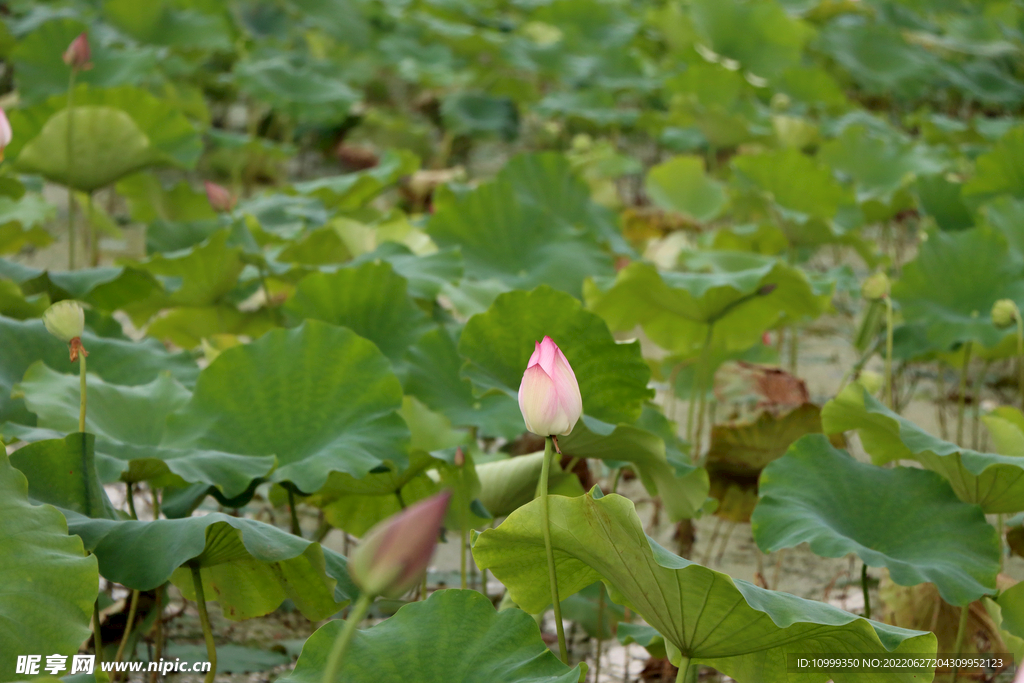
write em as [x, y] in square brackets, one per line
[6, 134]
[549, 395]
[78, 53]
[219, 197]
[393, 555]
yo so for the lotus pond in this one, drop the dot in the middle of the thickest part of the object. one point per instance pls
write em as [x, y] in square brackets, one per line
[512, 341]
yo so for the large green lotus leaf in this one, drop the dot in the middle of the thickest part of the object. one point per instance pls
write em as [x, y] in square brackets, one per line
[479, 114]
[880, 165]
[759, 35]
[819, 495]
[187, 326]
[675, 309]
[161, 22]
[998, 171]
[22, 221]
[1005, 214]
[371, 300]
[534, 224]
[454, 636]
[683, 487]
[954, 281]
[15, 304]
[512, 482]
[105, 288]
[249, 567]
[129, 424]
[62, 472]
[1006, 427]
[995, 482]
[49, 583]
[148, 200]
[319, 397]
[740, 629]
[498, 344]
[306, 92]
[426, 274]
[798, 184]
[42, 72]
[117, 131]
[943, 200]
[117, 361]
[432, 367]
[198, 276]
[680, 184]
[353, 190]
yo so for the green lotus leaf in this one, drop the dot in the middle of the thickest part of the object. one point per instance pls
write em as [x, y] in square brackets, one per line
[498, 344]
[479, 114]
[534, 224]
[584, 609]
[958, 310]
[1006, 427]
[799, 185]
[878, 58]
[427, 274]
[129, 424]
[149, 200]
[117, 131]
[817, 494]
[1011, 601]
[681, 184]
[117, 361]
[353, 190]
[995, 482]
[22, 220]
[305, 92]
[42, 72]
[675, 309]
[15, 304]
[761, 36]
[741, 630]
[371, 300]
[998, 171]
[319, 397]
[454, 636]
[49, 582]
[512, 482]
[432, 366]
[1005, 214]
[682, 486]
[105, 288]
[187, 326]
[62, 472]
[248, 567]
[943, 200]
[161, 22]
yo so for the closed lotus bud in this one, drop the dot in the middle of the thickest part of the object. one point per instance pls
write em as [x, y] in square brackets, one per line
[1004, 313]
[219, 197]
[875, 287]
[6, 134]
[460, 457]
[65, 320]
[549, 396]
[78, 53]
[394, 554]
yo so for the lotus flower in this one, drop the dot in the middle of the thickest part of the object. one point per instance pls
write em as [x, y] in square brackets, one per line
[394, 554]
[78, 53]
[6, 135]
[219, 197]
[549, 395]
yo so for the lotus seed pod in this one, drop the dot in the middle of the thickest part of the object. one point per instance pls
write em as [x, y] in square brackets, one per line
[549, 396]
[875, 287]
[1004, 313]
[65, 320]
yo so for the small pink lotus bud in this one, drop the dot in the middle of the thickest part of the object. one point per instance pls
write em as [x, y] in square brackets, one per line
[460, 457]
[393, 555]
[549, 396]
[78, 53]
[6, 134]
[219, 197]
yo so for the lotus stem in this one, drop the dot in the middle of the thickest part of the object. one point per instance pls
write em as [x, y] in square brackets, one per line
[600, 630]
[684, 668]
[204, 619]
[158, 631]
[546, 524]
[92, 248]
[864, 587]
[940, 401]
[701, 376]
[81, 390]
[97, 639]
[961, 631]
[961, 402]
[794, 349]
[134, 605]
[129, 489]
[888, 353]
[976, 414]
[296, 529]
[615, 479]
[341, 643]
[71, 192]
[156, 502]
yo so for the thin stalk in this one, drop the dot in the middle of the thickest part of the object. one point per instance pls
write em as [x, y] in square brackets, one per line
[684, 668]
[600, 628]
[961, 631]
[129, 489]
[423, 589]
[888, 353]
[464, 524]
[71, 192]
[963, 395]
[794, 349]
[128, 627]
[204, 619]
[156, 502]
[92, 247]
[615, 480]
[940, 401]
[296, 529]
[1020, 357]
[97, 639]
[546, 524]
[341, 643]
[1002, 535]
[81, 390]
[864, 587]
[158, 632]
[976, 413]
[701, 376]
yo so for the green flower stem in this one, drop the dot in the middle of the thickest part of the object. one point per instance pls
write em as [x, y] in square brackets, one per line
[684, 668]
[128, 626]
[600, 630]
[71, 192]
[158, 631]
[546, 523]
[976, 413]
[864, 587]
[341, 643]
[702, 378]
[963, 395]
[156, 502]
[204, 619]
[888, 353]
[97, 640]
[81, 390]
[296, 529]
[961, 631]
[129, 489]
[90, 235]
